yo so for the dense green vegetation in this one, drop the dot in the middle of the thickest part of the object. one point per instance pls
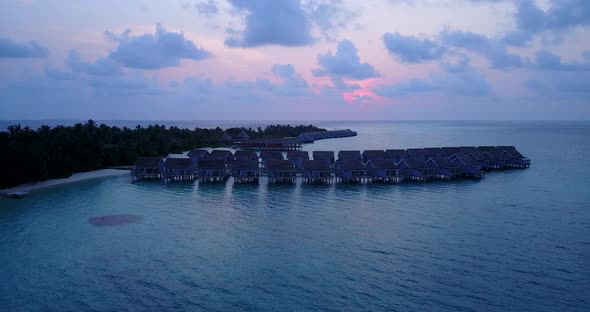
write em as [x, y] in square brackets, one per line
[32, 155]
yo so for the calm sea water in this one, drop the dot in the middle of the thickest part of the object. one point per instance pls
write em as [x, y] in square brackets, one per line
[518, 240]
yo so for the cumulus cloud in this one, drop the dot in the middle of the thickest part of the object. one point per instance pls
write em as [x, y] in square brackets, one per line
[330, 16]
[154, 51]
[546, 60]
[561, 15]
[465, 83]
[207, 8]
[287, 83]
[492, 49]
[339, 84]
[101, 67]
[271, 22]
[11, 49]
[410, 49]
[345, 63]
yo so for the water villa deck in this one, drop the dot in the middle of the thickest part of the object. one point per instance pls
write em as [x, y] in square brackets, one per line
[384, 166]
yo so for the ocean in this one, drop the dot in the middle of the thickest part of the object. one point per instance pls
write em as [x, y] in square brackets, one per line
[516, 240]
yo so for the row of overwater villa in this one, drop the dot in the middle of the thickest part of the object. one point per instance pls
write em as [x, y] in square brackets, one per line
[393, 165]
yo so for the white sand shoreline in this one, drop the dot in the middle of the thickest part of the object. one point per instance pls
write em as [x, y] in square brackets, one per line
[24, 189]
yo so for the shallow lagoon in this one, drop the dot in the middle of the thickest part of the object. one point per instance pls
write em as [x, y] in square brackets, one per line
[516, 240]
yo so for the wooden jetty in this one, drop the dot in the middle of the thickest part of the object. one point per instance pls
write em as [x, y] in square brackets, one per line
[316, 171]
[148, 168]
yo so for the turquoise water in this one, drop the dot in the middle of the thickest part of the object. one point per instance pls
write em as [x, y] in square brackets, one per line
[518, 240]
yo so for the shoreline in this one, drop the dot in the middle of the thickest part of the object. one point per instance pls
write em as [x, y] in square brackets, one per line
[24, 189]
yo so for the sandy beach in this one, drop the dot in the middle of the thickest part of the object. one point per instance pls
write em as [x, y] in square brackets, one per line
[24, 189]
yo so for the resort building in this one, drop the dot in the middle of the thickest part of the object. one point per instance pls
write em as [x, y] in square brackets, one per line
[316, 171]
[327, 156]
[350, 170]
[179, 169]
[384, 170]
[148, 168]
[281, 171]
[211, 170]
[245, 170]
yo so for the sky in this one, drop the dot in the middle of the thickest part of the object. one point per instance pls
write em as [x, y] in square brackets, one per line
[295, 59]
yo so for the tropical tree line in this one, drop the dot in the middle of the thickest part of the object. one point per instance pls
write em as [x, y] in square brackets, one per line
[31, 155]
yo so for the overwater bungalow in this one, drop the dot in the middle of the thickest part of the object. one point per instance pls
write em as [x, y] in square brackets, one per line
[416, 152]
[211, 170]
[266, 155]
[486, 162]
[349, 155]
[350, 170]
[316, 171]
[516, 159]
[432, 151]
[467, 149]
[148, 168]
[281, 171]
[446, 169]
[246, 155]
[470, 166]
[297, 158]
[395, 154]
[417, 169]
[179, 169]
[198, 154]
[384, 170]
[327, 156]
[373, 154]
[448, 151]
[224, 155]
[245, 170]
